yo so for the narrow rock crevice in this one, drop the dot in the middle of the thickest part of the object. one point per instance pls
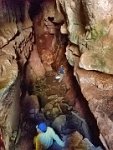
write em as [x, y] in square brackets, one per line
[37, 39]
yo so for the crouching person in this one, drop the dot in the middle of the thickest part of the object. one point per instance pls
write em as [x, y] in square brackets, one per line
[47, 139]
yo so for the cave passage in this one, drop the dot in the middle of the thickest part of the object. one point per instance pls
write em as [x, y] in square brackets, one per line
[59, 103]
[40, 47]
[46, 101]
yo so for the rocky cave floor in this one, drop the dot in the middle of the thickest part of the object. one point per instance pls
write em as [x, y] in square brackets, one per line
[65, 120]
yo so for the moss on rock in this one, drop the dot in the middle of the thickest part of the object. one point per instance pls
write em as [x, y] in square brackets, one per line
[97, 32]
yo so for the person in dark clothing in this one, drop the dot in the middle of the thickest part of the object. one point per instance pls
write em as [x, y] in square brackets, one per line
[61, 72]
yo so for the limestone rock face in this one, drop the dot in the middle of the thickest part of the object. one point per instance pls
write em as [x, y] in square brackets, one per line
[98, 90]
[8, 31]
[101, 61]
[72, 54]
[90, 31]
[89, 25]
[14, 17]
[15, 34]
[98, 36]
[80, 29]
[74, 21]
[8, 72]
[103, 10]
[9, 110]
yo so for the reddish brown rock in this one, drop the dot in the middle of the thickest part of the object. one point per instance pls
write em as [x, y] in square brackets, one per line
[8, 71]
[47, 59]
[89, 26]
[34, 69]
[48, 38]
[76, 142]
[98, 90]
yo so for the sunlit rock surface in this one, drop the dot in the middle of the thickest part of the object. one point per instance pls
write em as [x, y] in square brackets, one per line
[98, 37]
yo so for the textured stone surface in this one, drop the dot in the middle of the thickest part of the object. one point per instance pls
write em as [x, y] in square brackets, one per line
[34, 69]
[9, 112]
[8, 31]
[87, 31]
[91, 32]
[8, 72]
[72, 54]
[48, 37]
[99, 37]
[101, 60]
[98, 90]
[15, 34]
[59, 122]
[76, 142]
[73, 11]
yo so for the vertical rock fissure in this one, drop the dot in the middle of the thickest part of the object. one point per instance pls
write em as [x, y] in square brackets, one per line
[39, 38]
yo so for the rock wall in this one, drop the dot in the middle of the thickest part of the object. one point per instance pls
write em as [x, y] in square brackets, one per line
[80, 30]
[10, 113]
[89, 50]
[89, 26]
[15, 34]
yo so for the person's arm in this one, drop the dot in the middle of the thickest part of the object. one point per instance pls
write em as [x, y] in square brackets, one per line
[56, 138]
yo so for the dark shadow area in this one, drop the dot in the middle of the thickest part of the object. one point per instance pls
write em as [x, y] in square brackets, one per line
[15, 10]
[35, 8]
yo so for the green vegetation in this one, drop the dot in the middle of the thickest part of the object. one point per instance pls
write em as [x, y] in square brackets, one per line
[97, 32]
